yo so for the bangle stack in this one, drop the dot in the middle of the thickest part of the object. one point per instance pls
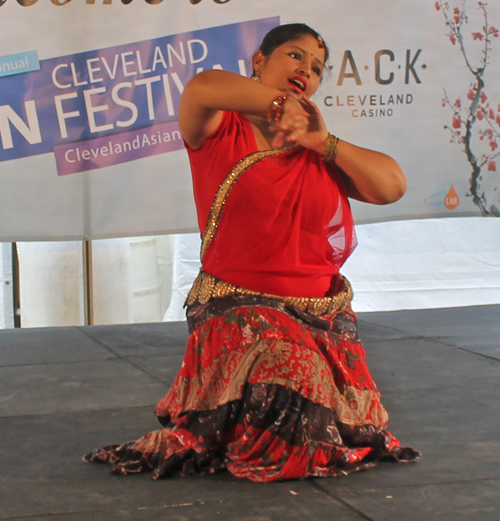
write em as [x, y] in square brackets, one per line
[332, 144]
[277, 107]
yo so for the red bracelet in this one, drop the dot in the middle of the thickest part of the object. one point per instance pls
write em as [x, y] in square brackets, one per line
[277, 107]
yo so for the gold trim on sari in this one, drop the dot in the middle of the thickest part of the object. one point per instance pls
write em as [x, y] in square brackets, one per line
[207, 287]
[225, 187]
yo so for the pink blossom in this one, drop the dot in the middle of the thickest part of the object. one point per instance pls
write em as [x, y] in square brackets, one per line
[492, 166]
[472, 94]
[494, 31]
[491, 114]
[456, 19]
[483, 97]
[480, 114]
[477, 36]
[457, 122]
[498, 119]
[453, 40]
[493, 144]
[458, 104]
[456, 10]
[438, 6]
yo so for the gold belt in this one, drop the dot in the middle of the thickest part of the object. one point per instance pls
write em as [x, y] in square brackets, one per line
[206, 287]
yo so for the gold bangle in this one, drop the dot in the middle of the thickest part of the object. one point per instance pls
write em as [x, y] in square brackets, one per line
[277, 106]
[332, 145]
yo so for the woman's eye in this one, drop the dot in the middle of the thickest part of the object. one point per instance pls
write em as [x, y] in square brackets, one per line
[317, 71]
[296, 55]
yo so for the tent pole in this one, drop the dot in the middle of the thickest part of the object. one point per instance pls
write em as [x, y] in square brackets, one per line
[16, 293]
[88, 289]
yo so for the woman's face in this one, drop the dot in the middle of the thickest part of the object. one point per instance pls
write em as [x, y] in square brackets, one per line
[294, 67]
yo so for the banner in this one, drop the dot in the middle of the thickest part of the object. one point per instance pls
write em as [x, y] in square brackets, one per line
[89, 140]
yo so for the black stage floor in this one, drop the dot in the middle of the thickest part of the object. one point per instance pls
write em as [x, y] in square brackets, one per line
[65, 391]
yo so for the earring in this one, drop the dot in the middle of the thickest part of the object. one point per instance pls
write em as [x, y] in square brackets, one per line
[256, 76]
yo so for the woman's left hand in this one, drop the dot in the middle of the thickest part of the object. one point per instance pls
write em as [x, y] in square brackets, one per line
[310, 132]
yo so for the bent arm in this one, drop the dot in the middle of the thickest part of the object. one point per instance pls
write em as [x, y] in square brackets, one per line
[213, 91]
[369, 176]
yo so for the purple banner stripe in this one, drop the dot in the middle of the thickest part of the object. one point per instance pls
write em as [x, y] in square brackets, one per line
[120, 148]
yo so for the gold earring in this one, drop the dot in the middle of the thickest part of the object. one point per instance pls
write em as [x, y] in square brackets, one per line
[256, 76]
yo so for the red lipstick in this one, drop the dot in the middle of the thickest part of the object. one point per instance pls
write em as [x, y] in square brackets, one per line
[298, 83]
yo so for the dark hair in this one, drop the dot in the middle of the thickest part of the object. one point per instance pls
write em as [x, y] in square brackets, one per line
[286, 33]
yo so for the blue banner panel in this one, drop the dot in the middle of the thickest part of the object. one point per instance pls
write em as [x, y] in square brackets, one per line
[119, 89]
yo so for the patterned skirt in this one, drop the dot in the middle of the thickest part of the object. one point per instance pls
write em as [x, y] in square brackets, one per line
[269, 393]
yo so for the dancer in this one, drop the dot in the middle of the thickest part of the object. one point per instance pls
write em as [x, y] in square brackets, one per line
[274, 383]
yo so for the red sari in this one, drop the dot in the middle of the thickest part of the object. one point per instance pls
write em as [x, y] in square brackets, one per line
[274, 384]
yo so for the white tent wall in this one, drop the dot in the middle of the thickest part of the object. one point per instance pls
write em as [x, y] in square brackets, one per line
[422, 264]
[50, 275]
[414, 264]
[131, 281]
[417, 264]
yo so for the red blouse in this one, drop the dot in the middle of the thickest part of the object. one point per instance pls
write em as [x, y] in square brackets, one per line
[286, 227]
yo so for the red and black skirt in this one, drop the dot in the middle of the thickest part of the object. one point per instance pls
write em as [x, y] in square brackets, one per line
[267, 392]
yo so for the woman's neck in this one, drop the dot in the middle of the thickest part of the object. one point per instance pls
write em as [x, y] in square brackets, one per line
[263, 136]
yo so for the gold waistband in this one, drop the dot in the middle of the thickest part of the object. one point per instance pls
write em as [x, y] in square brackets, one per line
[207, 287]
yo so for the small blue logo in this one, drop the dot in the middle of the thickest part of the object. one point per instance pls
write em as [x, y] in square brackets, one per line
[19, 63]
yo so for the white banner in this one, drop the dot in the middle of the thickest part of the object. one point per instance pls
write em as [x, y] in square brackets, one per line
[89, 143]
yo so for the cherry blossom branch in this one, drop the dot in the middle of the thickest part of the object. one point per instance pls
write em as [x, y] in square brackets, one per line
[465, 118]
[455, 25]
